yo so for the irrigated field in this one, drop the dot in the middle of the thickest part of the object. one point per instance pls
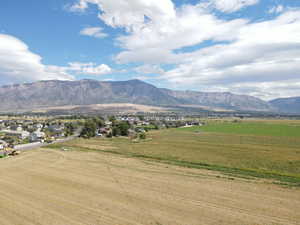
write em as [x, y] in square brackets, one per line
[261, 128]
[244, 149]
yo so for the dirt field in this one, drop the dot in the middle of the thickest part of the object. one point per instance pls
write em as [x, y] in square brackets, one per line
[65, 188]
[117, 107]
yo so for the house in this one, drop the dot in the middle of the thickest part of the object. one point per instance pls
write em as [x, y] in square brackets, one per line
[108, 123]
[140, 130]
[19, 128]
[103, 130]
[39, 126]
[55, 128]
[37, 136]
[3, 145]
[20, 134]
[25, 134]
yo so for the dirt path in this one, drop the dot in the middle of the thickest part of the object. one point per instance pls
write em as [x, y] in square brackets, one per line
[65, 188]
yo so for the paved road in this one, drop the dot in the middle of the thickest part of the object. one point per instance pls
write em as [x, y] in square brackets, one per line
[29, 146]
[39, 144]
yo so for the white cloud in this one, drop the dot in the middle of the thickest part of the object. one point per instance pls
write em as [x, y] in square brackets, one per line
[18, 63]
[149, 69]
[276, 9]
[89, 68]
[129, 14]
[229, 6]
[192, 25]
[243, 56]
[263, 53]
[96, 32]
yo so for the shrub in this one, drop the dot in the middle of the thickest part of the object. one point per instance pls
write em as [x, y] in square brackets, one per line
[142, 136]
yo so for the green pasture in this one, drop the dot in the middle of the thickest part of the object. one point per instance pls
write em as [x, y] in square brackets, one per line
[251, 149]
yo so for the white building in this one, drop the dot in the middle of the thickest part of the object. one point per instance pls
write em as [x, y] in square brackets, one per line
[37, 136]
[25, 134]
[3, 145]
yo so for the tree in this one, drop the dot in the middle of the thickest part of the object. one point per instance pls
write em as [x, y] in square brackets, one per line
[116, 131]
[120, 128]
[89, 129]
[69, 129]
[99, 122]
[142, 136]
[124, 127]
[141, 117]
[112, 118]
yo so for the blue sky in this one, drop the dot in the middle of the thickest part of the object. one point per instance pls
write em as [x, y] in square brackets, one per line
[243, 46]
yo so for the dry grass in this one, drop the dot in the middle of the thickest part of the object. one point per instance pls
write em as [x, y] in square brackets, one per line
[261, 156]
[122, 107]
[90, 188]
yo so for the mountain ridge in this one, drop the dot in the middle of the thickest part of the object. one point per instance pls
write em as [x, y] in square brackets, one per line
[86, 92]
[287, 105]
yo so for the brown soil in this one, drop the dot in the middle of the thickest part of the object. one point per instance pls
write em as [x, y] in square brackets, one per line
[65, 188]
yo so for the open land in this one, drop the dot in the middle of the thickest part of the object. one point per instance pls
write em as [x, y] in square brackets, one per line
[220, 173]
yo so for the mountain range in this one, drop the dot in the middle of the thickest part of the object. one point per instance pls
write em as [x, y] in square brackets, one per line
[54, 93]
[287, 105]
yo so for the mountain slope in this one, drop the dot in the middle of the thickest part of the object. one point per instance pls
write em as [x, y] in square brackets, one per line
[86, 92]
[287, 105]
[223, 100]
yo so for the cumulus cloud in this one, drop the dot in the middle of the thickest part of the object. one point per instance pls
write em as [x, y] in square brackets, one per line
[96, 32]
[89, 68]
[206, 51]
[129, 14]
[276, 9]
[191, 25]
[229, 6]
[18, 63]
[258, 47]
[149, 69]
[263, 53]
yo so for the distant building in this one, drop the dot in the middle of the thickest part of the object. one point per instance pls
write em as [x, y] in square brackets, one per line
[25, 134]
[3, 145]
[19, 128]
[39, 126]
[37, 136]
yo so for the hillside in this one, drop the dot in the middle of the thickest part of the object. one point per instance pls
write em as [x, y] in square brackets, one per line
[83, 92]
[87, 92]
[287, 105]
[225, 100]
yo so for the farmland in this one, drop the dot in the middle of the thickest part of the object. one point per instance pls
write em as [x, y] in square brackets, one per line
[252, 149]
[50, 187]
[178, 176]
[257, 128]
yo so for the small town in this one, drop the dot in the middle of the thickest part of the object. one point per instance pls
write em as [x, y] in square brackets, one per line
[22, 133]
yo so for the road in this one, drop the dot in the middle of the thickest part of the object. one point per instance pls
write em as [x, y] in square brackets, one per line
[30, 146]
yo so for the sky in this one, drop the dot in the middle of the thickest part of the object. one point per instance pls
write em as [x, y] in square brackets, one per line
[247, 47]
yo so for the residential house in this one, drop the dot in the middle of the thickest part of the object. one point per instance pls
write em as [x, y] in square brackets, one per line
[3, 145]
[37, 136]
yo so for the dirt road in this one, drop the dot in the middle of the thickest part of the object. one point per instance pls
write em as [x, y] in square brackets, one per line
[86, 188]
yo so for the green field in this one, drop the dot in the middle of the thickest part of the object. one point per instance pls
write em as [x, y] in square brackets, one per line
[251, 128]
[251, 149]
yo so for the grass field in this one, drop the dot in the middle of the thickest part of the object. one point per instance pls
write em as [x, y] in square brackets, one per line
[261, 128]
[252, 149]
